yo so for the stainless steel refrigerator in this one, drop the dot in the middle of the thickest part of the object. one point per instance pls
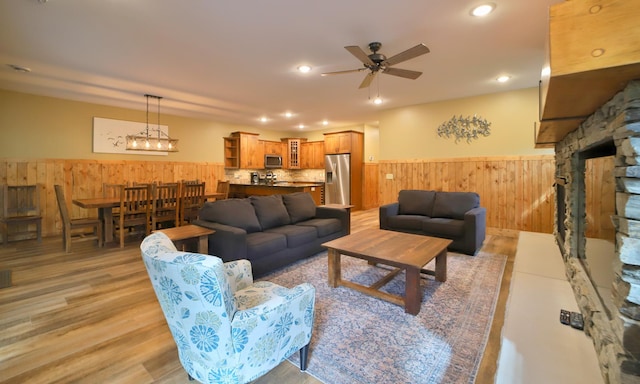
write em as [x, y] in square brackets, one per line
[337, 188]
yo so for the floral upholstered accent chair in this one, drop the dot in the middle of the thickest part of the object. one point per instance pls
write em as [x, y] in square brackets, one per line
[227, 328]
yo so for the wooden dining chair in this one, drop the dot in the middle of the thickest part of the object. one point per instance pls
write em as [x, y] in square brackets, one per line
[135, 211]
[192, 199]
[223, 187]
[21, 209]
[165, 210]
[69, 224]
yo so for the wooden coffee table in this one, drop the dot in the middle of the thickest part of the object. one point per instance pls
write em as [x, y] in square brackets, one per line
[403, 251]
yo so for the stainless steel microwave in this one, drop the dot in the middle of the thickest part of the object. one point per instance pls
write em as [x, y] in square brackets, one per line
[272, 161]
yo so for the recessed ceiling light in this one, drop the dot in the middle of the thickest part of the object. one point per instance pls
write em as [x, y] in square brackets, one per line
[483, 10]
[325, 122]
[301, 126]
[19, 68]
[377, 100]
[503, 78]
[264, 119]
[304, 68]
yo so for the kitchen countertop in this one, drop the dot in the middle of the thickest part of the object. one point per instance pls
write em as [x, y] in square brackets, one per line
[282, 184]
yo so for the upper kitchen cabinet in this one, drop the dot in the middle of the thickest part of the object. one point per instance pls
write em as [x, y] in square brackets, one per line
[292, 157]
[592, 54]
[273, 148]
[231, 152]
[312, 155]
[342, 142]
[243, 150]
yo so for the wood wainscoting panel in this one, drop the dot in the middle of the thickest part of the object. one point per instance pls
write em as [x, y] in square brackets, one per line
[84, 179]
[370, 186]
[517, 191]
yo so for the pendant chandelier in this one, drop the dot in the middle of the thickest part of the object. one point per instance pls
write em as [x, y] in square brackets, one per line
[152, 139]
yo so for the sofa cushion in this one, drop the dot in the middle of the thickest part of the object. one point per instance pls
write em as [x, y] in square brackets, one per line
[296, 235]
[261, 244]
[270, 210]
[416, 202]
[442, 227]
[454, 205]
[300, 206]
[410, 222]
[237, 213]
[324, 227]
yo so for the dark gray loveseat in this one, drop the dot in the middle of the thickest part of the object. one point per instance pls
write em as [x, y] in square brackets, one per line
[270, 231]
[452, 215]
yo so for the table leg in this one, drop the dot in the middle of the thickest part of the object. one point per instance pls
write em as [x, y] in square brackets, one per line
[441, 266]
[203, 244]
[334, 267]
[412, 292]
[106, 215]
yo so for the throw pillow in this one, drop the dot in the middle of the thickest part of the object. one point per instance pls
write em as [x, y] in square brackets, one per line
[300, 206]
[237, 213]
[270, 210]
[416, 202]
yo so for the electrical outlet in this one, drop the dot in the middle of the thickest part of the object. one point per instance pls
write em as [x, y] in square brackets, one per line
[389, 176]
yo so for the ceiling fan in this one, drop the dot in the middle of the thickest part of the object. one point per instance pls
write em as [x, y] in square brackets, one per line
[377, 62]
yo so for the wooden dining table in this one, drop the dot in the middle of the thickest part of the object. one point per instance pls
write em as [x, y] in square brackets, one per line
[105, 207]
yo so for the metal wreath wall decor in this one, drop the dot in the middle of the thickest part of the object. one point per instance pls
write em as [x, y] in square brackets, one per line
[469, 128]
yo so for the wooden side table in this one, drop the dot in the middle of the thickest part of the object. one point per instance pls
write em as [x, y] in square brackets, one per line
[179, 235]
[342, 206]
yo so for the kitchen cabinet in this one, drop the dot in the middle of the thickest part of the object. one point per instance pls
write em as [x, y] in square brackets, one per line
[341, 142]
[272, 147]
[291, 160]
[243, 150]
[592, 53]
[312, 155]
[231, 152]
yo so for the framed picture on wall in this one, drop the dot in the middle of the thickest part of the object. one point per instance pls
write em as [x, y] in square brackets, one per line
[110, 136]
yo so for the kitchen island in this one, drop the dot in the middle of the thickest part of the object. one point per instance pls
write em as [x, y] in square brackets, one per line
[240, 190]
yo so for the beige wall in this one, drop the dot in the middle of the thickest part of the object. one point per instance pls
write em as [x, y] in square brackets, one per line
[411, 132]
[58, 128]
[44, 127]
[371, 143]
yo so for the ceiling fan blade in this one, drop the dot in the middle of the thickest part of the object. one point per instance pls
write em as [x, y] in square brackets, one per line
[406, 73]
[359, 54]
[410, 53]
[367, 80]
[341, 72]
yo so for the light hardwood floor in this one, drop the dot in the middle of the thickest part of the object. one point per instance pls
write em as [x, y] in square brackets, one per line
[91, 316]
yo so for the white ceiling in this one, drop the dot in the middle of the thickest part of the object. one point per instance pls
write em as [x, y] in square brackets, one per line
[235, 60]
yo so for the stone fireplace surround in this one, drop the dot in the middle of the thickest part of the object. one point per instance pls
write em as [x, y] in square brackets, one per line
[617, 339]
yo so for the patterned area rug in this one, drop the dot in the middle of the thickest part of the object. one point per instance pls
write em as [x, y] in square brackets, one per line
[359, 339]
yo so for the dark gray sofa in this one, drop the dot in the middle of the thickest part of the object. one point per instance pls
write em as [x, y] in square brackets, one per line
[270, 231]
[452, 215]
